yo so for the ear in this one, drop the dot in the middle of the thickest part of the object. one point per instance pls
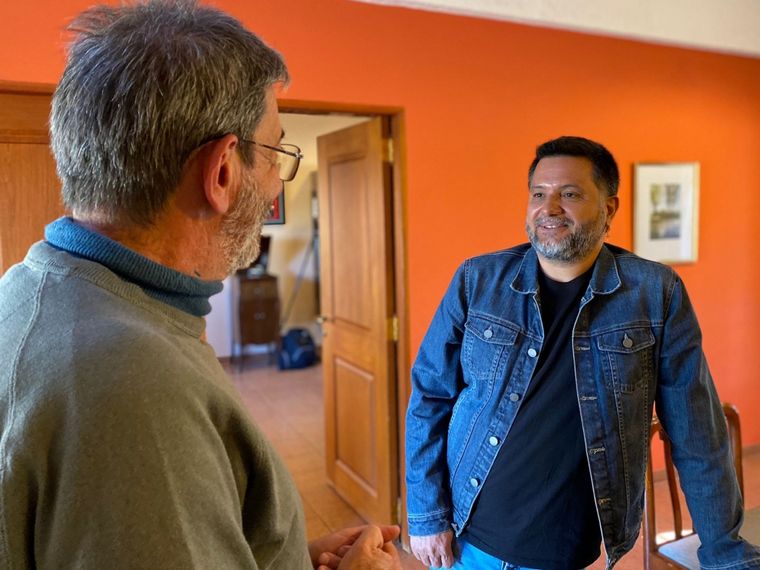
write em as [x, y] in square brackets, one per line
[612, 203]
[220, 169]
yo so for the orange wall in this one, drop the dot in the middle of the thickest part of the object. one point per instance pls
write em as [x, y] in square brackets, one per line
[478, 96]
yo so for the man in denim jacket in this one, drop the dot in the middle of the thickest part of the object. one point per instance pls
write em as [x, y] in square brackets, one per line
[527, 429]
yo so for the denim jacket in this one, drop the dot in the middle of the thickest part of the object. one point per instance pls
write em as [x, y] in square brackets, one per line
[636, 343]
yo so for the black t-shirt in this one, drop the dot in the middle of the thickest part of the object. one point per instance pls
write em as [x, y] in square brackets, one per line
[536, 507]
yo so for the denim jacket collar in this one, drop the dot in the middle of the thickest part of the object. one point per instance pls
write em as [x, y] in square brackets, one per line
[604, 280]
[606, 277]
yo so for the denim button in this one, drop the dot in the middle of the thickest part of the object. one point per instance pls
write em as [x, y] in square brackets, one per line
[627, 342]
[488, 333]
[532, 352]
[514, 396]
[474, 482]
[493, 440]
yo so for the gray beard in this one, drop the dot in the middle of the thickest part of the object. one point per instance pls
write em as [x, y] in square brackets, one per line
[241, 228]
[576, 246]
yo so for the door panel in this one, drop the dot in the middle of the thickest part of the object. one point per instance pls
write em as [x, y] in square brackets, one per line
[352, 260]
[30, 196]
[357, 301]
[356, 444]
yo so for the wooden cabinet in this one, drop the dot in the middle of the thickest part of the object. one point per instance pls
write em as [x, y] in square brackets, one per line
[259, 308]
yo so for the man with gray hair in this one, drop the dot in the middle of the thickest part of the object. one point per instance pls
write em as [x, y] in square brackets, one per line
[124, 444]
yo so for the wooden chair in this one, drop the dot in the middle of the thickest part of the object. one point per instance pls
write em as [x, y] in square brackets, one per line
[680, 552]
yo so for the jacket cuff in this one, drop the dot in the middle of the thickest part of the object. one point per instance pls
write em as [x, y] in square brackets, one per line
[425, 525]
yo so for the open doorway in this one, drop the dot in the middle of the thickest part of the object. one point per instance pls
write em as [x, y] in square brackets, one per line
[294, 244]
[292, 249]
[363, 405]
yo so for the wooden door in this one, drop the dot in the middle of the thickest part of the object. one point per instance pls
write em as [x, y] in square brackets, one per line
[356, 242]
[29, 188]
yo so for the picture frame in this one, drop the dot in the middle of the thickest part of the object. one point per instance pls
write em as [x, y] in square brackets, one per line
[666, 211]
[277, 217]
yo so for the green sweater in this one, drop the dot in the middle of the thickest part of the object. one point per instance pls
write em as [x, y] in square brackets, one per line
[124, 443]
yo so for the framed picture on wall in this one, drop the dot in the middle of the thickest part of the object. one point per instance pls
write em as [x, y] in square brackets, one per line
[666, 211]
[278, 211]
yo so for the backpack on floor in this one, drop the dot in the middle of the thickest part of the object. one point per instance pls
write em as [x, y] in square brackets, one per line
[297, 350]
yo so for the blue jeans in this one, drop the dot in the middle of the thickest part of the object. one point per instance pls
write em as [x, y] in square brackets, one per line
[470, 558]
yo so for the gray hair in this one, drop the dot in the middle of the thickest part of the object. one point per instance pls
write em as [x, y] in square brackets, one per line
[145, 85]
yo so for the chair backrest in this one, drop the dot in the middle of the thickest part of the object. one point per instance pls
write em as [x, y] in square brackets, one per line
[652, 557]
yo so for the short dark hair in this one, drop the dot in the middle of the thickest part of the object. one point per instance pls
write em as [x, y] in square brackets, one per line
[605, 169]
[145, 84]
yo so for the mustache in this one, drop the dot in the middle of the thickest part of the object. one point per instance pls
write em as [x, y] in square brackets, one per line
[553, 221]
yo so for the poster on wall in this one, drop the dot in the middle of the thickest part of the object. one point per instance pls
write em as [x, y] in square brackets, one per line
[666, 211]
[277, 216]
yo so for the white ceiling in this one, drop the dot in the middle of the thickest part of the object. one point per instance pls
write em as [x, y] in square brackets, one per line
[731, 26]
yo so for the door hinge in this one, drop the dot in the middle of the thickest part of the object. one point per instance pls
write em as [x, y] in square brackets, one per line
[388, 151]
[393, 328]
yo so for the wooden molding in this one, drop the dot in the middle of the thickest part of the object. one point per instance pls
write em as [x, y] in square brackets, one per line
[327, 108]
[26, 88]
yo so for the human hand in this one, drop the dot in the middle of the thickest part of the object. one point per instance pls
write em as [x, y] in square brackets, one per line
[434, 550]
[328, 551]
[370, 551]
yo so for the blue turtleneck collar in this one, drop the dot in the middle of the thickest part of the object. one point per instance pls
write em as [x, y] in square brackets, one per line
[158, 281]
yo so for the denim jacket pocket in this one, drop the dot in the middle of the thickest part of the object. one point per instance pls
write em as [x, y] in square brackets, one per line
[629, 358]
[485, 341]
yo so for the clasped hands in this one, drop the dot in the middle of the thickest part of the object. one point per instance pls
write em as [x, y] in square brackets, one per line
[367, 547]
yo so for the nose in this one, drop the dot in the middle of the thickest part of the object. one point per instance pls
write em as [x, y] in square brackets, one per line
[552, 205]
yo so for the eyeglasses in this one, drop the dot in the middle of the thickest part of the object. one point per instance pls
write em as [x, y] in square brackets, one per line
[287, 159]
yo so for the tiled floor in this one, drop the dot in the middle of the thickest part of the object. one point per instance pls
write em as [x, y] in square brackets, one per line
[288, 407]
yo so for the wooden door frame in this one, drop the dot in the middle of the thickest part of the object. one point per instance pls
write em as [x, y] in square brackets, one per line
[397, 127]
[21, 87]
[403, 357]
[17, 128]
[17, 88]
